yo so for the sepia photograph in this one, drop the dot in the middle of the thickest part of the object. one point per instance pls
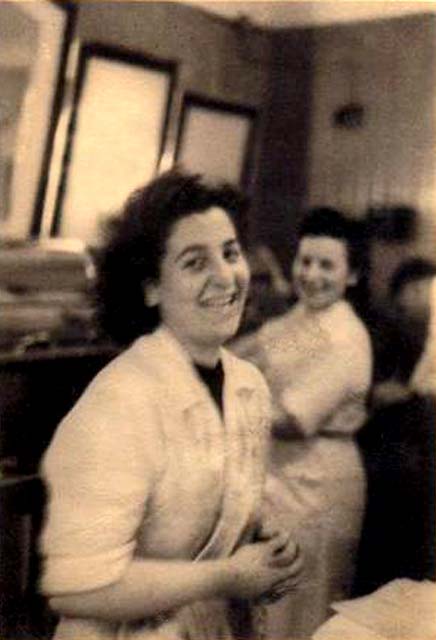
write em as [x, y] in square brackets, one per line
[217, 319]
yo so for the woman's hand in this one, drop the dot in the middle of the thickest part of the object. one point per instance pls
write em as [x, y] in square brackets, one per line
[264, 568]
[268, 529]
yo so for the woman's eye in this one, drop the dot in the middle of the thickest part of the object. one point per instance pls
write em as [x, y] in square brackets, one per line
[327, 265]
[232, 254]
[194, 264]
[305, 262]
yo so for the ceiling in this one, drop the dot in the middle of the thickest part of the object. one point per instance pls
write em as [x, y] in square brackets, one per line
[299, 13]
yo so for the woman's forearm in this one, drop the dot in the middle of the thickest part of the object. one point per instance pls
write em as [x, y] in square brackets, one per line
[147, 588]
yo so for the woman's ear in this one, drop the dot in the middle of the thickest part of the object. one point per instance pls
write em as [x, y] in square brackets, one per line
[151, 294]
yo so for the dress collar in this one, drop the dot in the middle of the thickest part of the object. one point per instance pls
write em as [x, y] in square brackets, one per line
[170, 360]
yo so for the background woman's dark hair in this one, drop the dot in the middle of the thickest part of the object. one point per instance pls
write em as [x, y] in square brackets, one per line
[327, 221]
[136, 243]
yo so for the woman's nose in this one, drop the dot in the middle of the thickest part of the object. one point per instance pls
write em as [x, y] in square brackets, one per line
[311, 272]
[222, 272]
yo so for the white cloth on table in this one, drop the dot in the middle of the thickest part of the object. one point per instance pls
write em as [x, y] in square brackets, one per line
[318, 366]
[144, 465]
[341, 628]
[402, 609]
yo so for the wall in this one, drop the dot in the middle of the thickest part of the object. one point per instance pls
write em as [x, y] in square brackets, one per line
[215, 59]
[283, 166]
[212, 58]
[296, 78]
[389, 67]
[266, 70]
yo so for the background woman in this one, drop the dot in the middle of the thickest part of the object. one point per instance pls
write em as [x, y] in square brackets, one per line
[317, 360]
[156, 475]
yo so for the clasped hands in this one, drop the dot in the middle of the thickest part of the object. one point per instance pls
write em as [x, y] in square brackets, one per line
[268, 568]
[286, 555]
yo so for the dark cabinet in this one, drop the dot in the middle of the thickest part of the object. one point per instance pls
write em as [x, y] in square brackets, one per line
[36, 390]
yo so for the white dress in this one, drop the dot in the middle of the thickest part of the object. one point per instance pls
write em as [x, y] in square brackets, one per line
[318, 366]
[144, 465]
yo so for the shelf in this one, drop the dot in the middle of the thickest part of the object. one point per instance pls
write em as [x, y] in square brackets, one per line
[58, 353]
[22, 493]
[12, 481]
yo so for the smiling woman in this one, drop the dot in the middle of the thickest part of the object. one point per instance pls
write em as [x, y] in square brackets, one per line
[317, 361]
[156, 476]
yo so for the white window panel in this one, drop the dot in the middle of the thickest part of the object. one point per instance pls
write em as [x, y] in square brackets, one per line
[214, 142]
[116, 143]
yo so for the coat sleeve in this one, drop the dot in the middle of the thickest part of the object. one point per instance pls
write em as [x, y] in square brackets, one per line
[99, 471]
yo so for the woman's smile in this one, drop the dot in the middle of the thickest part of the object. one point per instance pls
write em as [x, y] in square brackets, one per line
[228, 302]
[220, 301]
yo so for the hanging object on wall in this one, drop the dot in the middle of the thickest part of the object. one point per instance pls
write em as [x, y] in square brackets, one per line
[349, 116]
[250, 42]
[392, 223]
[350, 112]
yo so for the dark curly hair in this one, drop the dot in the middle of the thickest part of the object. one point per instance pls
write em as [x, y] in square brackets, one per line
[136, 243]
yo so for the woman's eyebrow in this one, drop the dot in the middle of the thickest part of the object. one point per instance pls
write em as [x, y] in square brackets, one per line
[192, 248]
[189, 249]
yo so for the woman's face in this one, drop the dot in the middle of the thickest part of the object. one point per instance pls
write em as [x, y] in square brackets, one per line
[321, 271]
[203, 281]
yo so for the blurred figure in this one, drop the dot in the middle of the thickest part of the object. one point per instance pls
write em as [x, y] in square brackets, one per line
[399, 334]
[317, 361]
[270, 292]
[398, 441]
